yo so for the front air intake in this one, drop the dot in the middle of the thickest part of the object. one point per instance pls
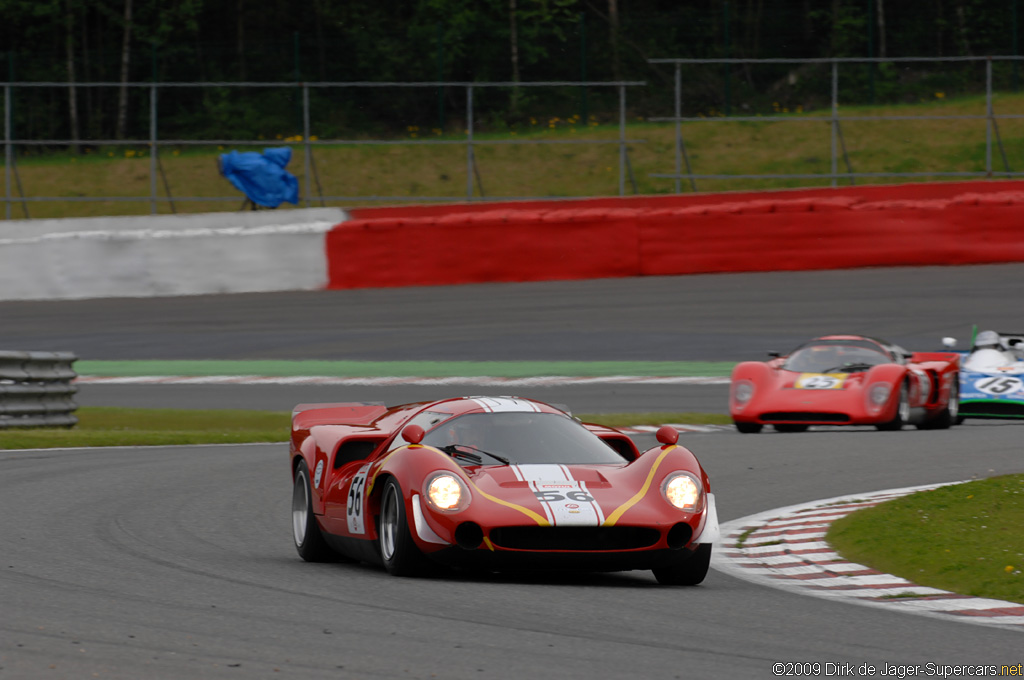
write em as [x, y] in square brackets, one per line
[591, 539]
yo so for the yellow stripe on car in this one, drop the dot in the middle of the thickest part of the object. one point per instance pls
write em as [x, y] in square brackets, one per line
[619, 511]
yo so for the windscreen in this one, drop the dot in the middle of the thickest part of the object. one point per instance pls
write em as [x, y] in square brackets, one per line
[836, 357]
[522, 438]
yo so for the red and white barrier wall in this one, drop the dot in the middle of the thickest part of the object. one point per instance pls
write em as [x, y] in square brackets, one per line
[913, 224]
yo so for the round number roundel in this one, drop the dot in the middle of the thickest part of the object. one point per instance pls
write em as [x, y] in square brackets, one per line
[999, 385]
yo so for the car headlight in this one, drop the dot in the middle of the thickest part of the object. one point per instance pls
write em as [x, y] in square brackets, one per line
[743, 391]
[879, 393]
[446, 492]
[683, 490]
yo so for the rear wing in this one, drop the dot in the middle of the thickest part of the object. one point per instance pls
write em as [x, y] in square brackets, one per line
[363, 413]
[942, 357]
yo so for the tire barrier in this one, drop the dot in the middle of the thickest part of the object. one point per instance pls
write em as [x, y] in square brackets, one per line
[902, 225]
[36, 389]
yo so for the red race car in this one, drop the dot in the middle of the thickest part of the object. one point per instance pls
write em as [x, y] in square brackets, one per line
[846, 380]
[494, 483]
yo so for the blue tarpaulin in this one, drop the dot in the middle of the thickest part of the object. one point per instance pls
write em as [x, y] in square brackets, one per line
[262, 177]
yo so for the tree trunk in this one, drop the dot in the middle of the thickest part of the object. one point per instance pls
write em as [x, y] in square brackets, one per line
[69, 44]
[961, 20]
[240, 44]
[126, 54]
[514, 44]
[321, 45]
[613, 25]
[881, 28]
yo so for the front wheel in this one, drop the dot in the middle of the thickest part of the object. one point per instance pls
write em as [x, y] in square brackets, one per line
[398, 551]
[902, 411]
[688, 573]
[749, 428]
[309, 542]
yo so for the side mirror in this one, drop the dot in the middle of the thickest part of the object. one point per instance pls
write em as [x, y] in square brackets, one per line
[667, 435]
[949, 342]
[413, 434]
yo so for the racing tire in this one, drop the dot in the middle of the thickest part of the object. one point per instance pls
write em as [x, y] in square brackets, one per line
[690, 572]
[948, 416]
[309, 542]
[749, 428]
[790, 427]
[902, 412]
[398, 551]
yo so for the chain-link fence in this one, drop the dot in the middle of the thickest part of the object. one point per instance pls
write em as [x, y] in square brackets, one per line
[986, 118]
[931, 118]
[162, 195]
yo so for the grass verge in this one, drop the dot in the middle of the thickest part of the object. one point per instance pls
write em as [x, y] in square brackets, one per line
[963, 538]
[797, 143]
[105, 426]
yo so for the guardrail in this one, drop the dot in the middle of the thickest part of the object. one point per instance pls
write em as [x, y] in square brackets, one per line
[36, 389]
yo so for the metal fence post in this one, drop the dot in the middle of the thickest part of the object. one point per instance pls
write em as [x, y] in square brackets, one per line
[308, 151]
[988, 116]
[622, 140]
[152, 150]
[469, 142]
[835, 120]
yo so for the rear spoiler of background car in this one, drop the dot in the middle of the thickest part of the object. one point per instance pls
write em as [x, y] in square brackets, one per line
[944, 357]
[363, 413]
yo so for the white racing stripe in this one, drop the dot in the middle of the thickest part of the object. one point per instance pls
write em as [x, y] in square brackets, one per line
[506, 405]
[565, 500]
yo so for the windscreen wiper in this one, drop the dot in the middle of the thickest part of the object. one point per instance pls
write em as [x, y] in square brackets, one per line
[850, 367]
[454, 450]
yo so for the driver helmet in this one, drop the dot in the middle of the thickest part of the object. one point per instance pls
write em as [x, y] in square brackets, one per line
[988, 340]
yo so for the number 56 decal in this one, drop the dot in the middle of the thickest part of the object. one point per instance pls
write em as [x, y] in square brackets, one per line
[554, 496]
[1000, 384]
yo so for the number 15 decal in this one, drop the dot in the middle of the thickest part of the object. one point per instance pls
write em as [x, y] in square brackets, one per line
[1000, 384]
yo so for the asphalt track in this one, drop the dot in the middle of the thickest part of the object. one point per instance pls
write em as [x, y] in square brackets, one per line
[177, 562]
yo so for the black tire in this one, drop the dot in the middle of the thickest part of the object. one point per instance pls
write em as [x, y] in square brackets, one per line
[790, 427]
[949, 416]
[902, 412]
[749, 428]
[398, 551]
[689, 572]
[309, 542]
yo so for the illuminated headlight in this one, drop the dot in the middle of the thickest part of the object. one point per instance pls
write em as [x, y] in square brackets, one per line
[683, 490]
[879, 393]
[743, 392]
[446, 492]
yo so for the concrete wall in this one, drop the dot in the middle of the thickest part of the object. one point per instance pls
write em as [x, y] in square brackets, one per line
[254, 251]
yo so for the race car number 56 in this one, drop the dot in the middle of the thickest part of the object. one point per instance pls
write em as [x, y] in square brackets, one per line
[1000, 384]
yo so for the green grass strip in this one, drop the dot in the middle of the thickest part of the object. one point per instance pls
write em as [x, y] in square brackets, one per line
[428, 369]
[108, 426]
[964, 538]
